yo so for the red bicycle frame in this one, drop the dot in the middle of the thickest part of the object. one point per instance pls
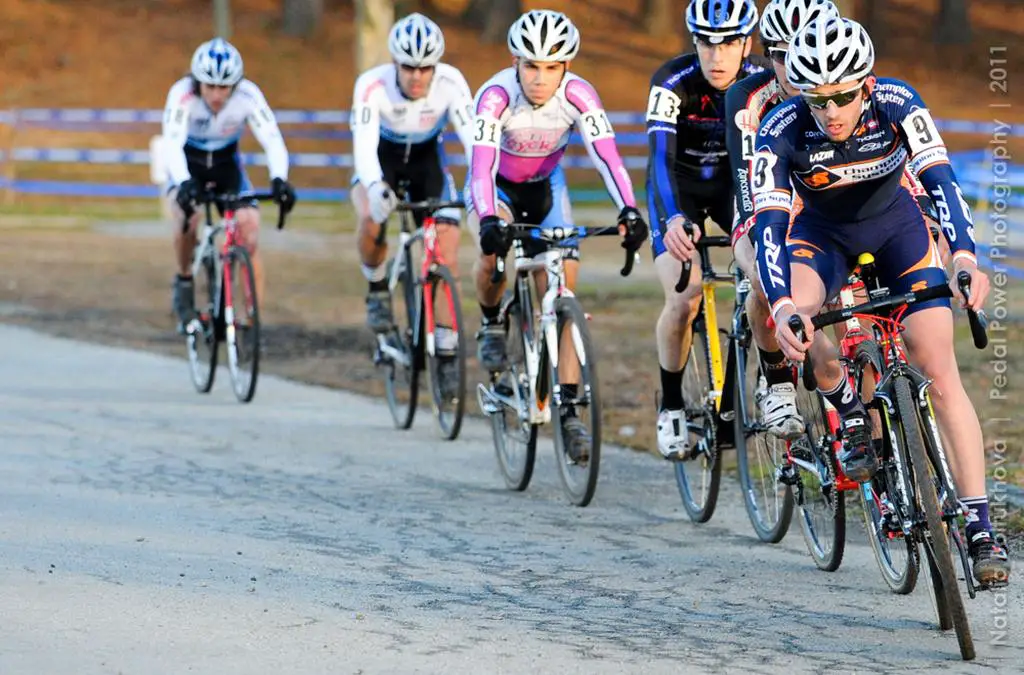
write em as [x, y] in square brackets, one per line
[432, 258]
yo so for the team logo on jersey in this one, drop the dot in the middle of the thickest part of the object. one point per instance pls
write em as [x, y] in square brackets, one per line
[822, 155]
[705, 102]
[803, 253]
[818, 178]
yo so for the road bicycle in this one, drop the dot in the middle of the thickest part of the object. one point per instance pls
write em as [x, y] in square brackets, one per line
[411, 345]
[226, 307]
[536, 386]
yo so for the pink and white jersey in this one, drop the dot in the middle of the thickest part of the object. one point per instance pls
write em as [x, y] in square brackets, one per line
[524, 143]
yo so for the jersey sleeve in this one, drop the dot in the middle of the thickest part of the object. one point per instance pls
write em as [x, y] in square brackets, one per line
[491, 104]
[592, 122]
[364, 122]
[929, 161]
[772, 197]
[175, 132]
[460, 113]
[264, 127]
[664, 102]
[740, 135]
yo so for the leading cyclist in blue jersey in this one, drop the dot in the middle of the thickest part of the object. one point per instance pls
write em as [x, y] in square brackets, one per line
[842, 145]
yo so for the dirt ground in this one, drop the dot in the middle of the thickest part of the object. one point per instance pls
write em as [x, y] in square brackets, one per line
[96, 279]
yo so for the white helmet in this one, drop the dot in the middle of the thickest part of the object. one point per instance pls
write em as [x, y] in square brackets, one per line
[717, 20]
[545, 36]
[782, 19]
[217, 62]
[829, 51]
[417, 41]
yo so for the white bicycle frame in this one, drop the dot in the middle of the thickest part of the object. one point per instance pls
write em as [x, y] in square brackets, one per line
[397, 268]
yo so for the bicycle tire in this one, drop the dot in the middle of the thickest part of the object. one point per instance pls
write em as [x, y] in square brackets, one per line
[710, 458]
[448, 414]
[746, 427]
[899, 575]
[944, 576]
[580, 489]
[243, 382]
[402, 337]
[517, 475]
[826, 547]
[203, 360]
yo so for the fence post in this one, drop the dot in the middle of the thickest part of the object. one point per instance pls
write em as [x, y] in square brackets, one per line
[8, 168]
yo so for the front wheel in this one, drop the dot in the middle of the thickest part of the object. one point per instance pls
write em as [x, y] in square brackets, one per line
[578, 418]
[241, 323]
[447, 363]
[699, 476]
[821, 502]
[402, 367]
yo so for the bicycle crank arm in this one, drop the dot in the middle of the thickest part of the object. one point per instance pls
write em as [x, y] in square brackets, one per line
[396, 355]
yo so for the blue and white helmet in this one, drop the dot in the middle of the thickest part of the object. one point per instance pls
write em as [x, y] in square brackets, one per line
[829, 51]
[217, 62]
[783, 19]
[416, 41]
[718, 20]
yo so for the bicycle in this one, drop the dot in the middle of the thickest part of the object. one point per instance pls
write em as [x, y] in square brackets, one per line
[721, 409]
[216, 319]
[411, 344]
[517, 399]
[920, 498]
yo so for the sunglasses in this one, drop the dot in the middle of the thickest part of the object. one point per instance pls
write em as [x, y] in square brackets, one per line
[417, 69]
[776, 54]
[840, 98]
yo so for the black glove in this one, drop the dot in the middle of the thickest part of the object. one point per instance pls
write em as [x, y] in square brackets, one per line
[284, 194]
[188, 192]
[494, 237]
[636, 228]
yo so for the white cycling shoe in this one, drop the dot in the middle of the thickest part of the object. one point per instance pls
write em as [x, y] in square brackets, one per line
[779, 411]
[673, 436]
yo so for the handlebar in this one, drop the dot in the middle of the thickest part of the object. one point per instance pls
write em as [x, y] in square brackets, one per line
[232, 202]
[557, 234]
[703, 243]
[430, 205]
[978, 320]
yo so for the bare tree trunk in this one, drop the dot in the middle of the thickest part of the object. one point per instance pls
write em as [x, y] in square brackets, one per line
[954, 24]
[659, 16]
[301, 17]
[374, 19]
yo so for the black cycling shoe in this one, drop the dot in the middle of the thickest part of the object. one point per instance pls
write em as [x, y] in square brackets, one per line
[378, 311]
[490, 348]
[575, 438]
[858, 456]
[183, 302]
[989, 559]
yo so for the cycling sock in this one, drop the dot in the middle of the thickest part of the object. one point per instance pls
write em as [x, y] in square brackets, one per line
[377, 286]
[977, 515]
[671, 390]
[843, 398]
[569, 392]
[776, 370]
[490, 313]
[185, 277]
[375, 273]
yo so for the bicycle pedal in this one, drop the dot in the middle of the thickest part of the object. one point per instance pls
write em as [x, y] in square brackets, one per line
[787, 475]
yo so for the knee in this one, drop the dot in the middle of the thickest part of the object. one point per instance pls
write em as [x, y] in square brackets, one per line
[680, 307]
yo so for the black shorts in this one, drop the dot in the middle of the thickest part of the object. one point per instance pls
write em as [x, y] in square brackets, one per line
[716, 201]
[220, 171]
[420, 170]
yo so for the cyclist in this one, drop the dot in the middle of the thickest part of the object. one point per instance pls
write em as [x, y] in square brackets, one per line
[842, 144]
[524, 117]
[203, 120]
[688, 178]
[399, 113]
[746, 104]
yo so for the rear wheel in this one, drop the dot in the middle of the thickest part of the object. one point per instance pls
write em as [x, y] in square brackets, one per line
[448, 368]
[698, 477]
[401, 365]
[768, 501]
[578, 473]
[200, 333]
[822, 505]
[515, 438]
[241, 323]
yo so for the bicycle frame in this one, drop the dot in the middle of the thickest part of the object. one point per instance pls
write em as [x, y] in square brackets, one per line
[206, 249]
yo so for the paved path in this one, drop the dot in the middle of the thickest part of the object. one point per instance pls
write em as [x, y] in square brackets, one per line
[147, 529]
